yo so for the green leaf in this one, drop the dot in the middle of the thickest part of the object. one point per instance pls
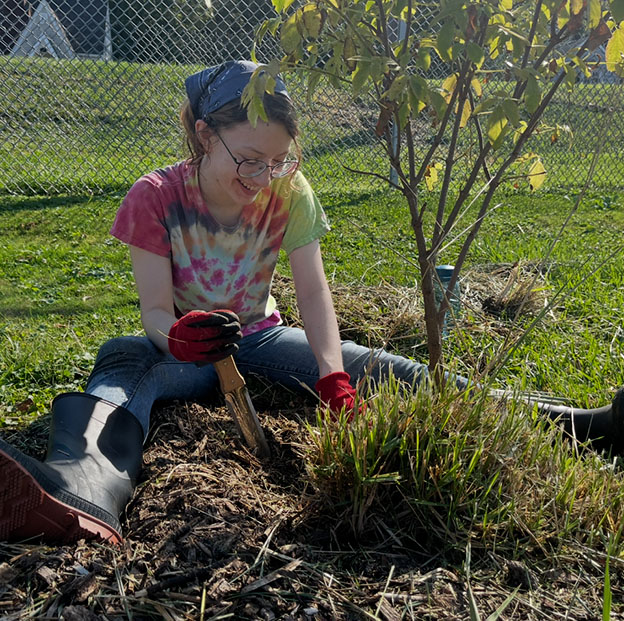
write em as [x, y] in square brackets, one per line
[444, 42]
[606, 594]
[418, 88]
[403, 114]
[256, 110]
[532, 95]
[360, 75]
[349, 51]
[510, 107]
[289, 35]
[378, 68]
[518, 46]
[486, 105]
[519, 131]
[282, 5]
[476, 54]
[314, 77]
[617, 10]
[262, 30]
[423, 59]
[312, 20]
[497, 127]
[615, 53]
[397, 88]
[570, 78]
[270, 85]
[438, 103]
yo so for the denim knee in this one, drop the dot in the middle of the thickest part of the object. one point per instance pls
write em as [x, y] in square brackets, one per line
[124, 357]
[378, 365]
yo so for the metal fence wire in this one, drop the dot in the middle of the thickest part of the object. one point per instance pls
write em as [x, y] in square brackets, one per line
[91, 89]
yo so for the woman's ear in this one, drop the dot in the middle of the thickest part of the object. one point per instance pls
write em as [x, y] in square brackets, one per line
[204, 134]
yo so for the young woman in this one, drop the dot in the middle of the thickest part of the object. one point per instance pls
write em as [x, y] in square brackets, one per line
[204, 238]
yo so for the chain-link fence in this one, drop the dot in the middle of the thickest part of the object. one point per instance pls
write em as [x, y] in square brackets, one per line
[91, 89]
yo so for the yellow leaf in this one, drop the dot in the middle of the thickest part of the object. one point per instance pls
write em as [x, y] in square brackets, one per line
[595, 13]
[476, 87]
[537, 174]
[431, 175]
[466, 112]
[449, 86]
[615, 53]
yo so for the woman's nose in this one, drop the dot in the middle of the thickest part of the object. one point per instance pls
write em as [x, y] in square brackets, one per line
[265, 177]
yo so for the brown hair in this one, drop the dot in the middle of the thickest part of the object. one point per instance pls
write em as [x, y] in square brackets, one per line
[279, 109]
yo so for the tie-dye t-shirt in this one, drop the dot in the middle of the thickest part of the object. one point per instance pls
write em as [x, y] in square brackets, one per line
[215, 266]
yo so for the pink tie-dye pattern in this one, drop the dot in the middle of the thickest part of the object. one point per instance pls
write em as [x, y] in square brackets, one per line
[217, 278]
[240, 282]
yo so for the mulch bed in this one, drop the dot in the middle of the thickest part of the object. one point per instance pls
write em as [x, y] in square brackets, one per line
[213, 533]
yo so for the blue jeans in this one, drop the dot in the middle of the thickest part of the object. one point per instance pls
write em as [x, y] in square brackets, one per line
[132, 372]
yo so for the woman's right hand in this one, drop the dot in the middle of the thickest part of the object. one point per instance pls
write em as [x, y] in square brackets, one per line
[205, 336]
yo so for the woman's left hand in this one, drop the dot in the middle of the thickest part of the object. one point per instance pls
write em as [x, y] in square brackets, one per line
[336, 392]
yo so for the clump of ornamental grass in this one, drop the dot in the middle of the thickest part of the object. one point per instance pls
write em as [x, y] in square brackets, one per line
[444, 468]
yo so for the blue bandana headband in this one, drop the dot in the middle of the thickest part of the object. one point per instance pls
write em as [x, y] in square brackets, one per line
[212, 88]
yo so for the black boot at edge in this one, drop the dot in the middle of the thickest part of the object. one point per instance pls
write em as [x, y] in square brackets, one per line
[88, 476]
[602, 427]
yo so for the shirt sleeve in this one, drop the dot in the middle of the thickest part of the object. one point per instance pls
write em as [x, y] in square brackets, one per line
[307, 220]
[140, 219]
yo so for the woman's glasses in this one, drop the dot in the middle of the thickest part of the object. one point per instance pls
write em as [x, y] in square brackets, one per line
[253, 168]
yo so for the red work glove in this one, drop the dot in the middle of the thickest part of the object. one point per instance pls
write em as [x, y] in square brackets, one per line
[336, 392]
[202, 336]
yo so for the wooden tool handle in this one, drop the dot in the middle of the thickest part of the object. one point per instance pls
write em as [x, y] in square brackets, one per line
[229, 376]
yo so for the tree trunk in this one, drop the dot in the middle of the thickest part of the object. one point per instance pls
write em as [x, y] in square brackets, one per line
[432, 316]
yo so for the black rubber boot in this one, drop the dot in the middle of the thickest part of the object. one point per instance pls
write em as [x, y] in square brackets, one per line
[602, 427]
[89, 474]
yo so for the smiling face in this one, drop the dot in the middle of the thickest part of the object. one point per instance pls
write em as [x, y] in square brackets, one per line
[222, 186]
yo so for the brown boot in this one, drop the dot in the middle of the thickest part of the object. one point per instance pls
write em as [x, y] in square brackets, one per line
[88, 476]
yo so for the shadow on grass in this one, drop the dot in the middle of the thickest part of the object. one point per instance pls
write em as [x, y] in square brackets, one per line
[65, 310]
[358, 138]
[10, 204]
